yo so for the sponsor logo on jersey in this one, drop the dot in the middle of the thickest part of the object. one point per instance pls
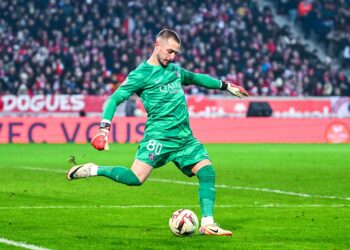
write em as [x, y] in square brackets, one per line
[171, 88]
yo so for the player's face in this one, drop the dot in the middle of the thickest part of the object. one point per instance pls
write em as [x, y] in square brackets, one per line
[167, 49]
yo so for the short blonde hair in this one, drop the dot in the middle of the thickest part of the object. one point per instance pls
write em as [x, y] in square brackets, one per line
[167, 33]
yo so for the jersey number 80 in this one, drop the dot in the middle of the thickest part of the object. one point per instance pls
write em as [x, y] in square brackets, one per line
[154, 146]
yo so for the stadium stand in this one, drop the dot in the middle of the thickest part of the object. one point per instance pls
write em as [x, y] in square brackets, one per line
[88, 47]
[327, 20]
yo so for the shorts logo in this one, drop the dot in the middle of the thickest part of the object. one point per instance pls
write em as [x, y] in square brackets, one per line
[152, 156]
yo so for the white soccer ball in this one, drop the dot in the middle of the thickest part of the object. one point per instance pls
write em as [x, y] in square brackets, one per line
[183, 222]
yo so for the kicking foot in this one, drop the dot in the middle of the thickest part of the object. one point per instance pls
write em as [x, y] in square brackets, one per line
[215, 230]
[81, 171]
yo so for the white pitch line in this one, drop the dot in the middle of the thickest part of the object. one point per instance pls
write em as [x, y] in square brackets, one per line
[45, 169]
[21, 244]
[177, 206]
[267, 190]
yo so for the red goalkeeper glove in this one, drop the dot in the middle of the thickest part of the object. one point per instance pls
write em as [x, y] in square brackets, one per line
[233, 89]
[100, 140]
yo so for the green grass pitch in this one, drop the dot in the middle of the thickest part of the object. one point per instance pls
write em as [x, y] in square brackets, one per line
[273, 196]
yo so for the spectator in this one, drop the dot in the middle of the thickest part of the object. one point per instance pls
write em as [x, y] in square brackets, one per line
[88, 47]
[324, 18]
[346, 56]
[130, 107]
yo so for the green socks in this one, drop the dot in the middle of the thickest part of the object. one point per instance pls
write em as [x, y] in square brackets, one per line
[206, 177]
[119, 174]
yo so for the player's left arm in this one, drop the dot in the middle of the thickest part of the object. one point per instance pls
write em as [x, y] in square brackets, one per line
[206, 81]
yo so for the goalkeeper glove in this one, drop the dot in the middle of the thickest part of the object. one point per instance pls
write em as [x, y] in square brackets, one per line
[233, 89]
[100, 140]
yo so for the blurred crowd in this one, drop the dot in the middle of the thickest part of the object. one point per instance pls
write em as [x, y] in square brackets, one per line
[88, 47]
[327, 20]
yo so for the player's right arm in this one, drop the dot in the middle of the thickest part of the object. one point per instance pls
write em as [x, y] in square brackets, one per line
[132, 84]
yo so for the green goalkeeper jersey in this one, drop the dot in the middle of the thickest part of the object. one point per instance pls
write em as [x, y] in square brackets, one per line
[160, 90]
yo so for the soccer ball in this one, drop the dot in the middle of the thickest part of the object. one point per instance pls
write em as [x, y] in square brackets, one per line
[183, 222]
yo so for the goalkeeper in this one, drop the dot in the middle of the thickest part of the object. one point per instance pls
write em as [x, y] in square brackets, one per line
[167, 136]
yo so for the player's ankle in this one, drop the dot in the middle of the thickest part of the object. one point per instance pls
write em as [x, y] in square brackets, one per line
[207, 220]
[93, 170]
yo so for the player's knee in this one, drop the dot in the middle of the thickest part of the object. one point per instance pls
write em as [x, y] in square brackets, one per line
[211, 172]
[133, 179]
[206, 172]
[136, 182]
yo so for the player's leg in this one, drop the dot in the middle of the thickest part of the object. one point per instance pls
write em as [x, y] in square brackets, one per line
[135, 176]
[206, 177]
[206, 191]
[193, 159]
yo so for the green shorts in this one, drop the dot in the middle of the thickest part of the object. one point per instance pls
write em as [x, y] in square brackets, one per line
[184, 154]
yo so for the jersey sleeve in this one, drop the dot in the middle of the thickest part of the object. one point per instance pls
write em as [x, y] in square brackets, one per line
[132, 84]
[203, 80]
